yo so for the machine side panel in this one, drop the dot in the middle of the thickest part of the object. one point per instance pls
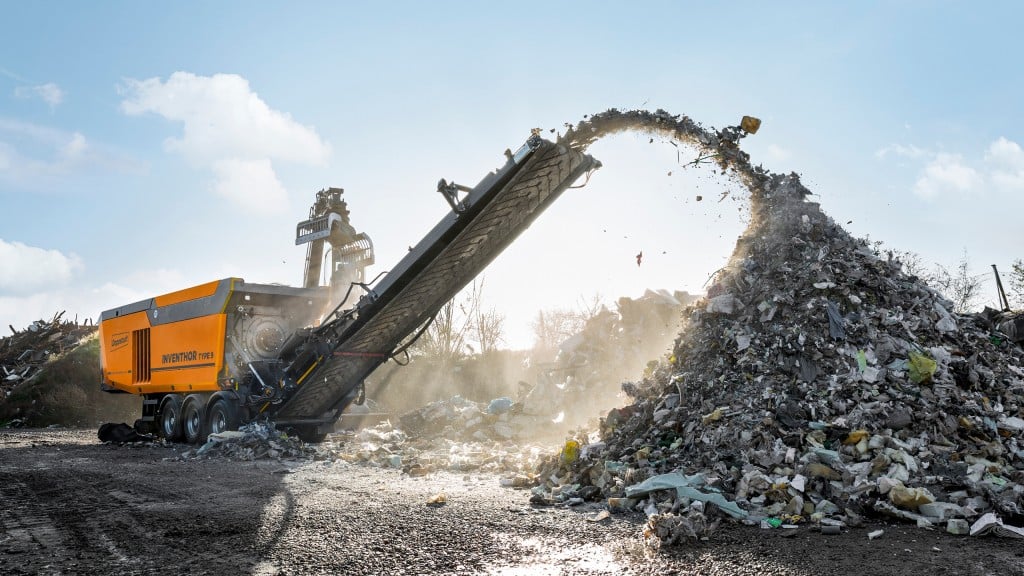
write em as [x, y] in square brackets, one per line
[192, 293]
[191, 302]
[116, 351]
[187, 356]
[547, 173]
[141, 358]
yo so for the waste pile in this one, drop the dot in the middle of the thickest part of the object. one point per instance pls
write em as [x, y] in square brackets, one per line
[254, 441]
[815, 384]
[461, 419]
[23, 353]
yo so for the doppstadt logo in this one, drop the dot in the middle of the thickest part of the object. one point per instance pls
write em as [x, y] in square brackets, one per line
[118, 340]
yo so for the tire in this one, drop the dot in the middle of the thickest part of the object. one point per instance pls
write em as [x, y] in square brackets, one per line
[222, 416]
[193, 422]
[170, 418]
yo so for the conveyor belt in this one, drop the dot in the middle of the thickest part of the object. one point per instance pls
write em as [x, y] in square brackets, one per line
[491, 216]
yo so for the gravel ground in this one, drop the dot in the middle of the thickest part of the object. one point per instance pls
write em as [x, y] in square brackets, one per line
[71, 505]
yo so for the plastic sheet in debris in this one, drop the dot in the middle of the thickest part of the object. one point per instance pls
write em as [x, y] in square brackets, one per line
[686, 487]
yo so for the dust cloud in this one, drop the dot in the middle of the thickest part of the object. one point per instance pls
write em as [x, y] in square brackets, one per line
[551, 396]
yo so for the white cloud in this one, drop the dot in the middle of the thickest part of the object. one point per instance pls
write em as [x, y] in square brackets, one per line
[34, 156]
[778, 153]
[251, 183]
[75, 147]
[1006, 159]
[228, 129]
[60, 143]
[900, 151]
[20, 310]
[49, 93]
[25, 269]
[945, 174]
[136, 286]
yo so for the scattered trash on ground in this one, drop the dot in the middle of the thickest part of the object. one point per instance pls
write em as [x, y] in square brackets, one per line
[254, 441]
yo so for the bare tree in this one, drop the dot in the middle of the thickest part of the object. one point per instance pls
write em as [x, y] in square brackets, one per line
[488, 325]
[912, 263]
[1016, 283]
[445, 338]
[459, 323]
[590, 306]
[552, 327]
[960, 286]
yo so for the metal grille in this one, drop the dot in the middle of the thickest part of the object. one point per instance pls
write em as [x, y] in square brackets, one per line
[140, 356]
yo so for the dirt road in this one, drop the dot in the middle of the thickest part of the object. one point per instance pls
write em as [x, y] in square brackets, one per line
[71, 505]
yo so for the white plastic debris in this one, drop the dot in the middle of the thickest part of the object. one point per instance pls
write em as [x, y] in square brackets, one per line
[991, 524]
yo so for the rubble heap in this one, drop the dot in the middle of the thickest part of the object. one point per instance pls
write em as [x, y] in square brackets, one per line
[815, 382]
[23, 354]
[253, 441]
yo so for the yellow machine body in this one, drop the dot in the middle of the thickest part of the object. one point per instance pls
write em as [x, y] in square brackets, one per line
[201, 338]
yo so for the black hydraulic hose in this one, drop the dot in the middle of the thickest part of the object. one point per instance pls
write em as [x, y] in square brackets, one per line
[363, 285]
[405, 347]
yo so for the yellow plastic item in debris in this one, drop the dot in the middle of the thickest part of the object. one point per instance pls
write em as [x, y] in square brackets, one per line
[570, 452]
[911, 498]
[855, 436]
[749, 124]
[715, 416]
[921, 367]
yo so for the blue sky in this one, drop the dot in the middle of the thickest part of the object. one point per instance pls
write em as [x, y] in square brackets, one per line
[145, 147]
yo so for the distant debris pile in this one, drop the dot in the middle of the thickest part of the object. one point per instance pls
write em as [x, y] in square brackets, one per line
[23, 354]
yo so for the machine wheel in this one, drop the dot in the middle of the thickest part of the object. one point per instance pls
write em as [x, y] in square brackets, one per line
[192, 419]
[170, 418]
[222, 416]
